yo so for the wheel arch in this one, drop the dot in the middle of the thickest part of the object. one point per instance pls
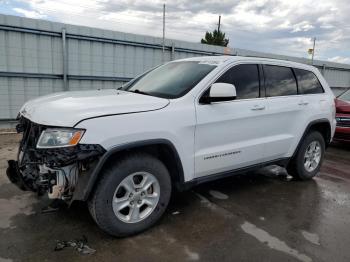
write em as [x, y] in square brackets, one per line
[162, 148]
[321, 125]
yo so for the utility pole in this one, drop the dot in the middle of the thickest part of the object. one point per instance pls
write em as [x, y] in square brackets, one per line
[163, 44]
[65, 62]
[313, 52]
[219, 23]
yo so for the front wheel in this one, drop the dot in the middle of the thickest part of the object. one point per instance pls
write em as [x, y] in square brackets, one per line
[309, 157]
[131, 196]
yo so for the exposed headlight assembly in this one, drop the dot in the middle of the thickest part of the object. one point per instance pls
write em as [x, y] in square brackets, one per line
[59, 137]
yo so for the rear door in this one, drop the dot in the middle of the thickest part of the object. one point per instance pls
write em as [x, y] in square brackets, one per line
[230, 135]
[287, 111]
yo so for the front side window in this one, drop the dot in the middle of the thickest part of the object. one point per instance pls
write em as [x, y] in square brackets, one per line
[308, 82]
[245, 78]
[171, 80]
[280, 81]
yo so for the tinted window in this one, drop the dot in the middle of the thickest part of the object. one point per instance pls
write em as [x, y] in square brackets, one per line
[280, 81]
[308, 82]
[245, 78]
[171, 80]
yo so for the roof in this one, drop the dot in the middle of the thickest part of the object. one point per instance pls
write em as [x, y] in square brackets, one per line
[225, 59]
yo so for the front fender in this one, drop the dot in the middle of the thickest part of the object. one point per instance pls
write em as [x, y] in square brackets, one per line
[87, 180]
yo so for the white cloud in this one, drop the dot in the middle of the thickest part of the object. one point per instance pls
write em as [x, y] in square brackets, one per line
[280, 26]
[339, 59]
[303, 26]
[28, 13]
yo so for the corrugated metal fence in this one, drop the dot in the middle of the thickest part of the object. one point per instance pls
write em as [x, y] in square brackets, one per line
[38, 57]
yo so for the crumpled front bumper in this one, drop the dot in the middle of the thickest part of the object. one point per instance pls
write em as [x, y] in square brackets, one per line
[51, 170]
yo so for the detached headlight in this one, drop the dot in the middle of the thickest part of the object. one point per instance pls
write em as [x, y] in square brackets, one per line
[51, 138]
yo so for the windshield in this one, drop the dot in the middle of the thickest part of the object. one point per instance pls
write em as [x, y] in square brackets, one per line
[171, 80]
[345, 96]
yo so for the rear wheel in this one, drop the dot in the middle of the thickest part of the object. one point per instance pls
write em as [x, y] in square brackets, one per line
[131, 196]
[309, 157]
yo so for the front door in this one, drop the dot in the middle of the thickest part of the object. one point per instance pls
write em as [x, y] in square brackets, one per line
[230, 135]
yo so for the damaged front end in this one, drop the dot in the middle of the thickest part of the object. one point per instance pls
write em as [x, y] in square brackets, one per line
[52, 169]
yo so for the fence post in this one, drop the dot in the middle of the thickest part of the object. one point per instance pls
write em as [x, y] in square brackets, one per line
[65, 62]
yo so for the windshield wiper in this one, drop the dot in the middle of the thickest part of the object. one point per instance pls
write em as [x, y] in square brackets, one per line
[137, 91]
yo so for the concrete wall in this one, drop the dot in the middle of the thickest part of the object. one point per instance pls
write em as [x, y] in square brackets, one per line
[39, 57]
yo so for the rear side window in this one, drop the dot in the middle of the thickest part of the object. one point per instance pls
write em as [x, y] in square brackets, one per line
[245, 78]
[280, 81]
[308, 82]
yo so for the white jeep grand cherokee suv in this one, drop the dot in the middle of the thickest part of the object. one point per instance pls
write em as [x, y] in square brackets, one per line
[183, 123]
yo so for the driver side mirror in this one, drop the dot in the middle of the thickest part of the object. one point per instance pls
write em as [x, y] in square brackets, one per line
[219, 92]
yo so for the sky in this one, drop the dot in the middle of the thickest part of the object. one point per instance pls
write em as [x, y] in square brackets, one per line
[275, 26]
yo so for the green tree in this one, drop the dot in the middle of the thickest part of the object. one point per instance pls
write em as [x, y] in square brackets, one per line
[215, 38]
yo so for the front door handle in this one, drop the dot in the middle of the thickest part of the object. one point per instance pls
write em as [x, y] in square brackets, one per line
[257, 107]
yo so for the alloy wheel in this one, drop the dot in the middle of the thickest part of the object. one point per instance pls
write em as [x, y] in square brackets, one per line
[136, 197]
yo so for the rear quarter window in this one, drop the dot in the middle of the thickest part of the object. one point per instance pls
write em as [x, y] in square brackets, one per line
[308, 83]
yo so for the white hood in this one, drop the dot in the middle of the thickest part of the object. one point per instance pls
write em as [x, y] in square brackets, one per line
[68, 108]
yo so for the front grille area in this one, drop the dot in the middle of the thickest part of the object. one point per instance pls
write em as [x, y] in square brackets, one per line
[343, 121]
[39, 170]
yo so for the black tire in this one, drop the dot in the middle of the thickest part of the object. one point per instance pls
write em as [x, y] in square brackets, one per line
[296, 167]
[100, 205]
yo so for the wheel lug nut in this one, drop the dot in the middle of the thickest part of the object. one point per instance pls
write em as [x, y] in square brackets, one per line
[139, 202]
[131, 202]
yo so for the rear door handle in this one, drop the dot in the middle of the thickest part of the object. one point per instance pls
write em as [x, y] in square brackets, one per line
[257, 107]
[303, 103]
